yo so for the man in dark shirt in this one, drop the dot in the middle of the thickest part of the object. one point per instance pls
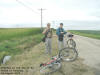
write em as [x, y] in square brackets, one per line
[60, 33]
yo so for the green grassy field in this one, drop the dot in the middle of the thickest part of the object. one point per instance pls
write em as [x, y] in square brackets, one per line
[88, 33]
[6, 34]
[16, 41]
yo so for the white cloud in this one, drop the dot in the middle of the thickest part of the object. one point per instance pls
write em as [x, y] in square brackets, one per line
[12, 12]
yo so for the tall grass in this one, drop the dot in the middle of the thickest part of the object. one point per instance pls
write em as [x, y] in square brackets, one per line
[16, 41]
[6, 34]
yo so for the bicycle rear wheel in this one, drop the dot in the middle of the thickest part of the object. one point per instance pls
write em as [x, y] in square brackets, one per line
[48, 69]
[71, 43]
[68, 54]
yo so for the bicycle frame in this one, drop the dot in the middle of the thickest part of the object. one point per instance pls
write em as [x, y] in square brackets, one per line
[51, 62]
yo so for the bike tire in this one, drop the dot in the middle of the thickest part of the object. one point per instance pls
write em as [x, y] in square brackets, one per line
[66, 54]
[71, 43]
[51, 68]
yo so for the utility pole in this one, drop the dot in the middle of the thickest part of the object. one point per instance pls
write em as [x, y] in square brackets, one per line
[42, 18]
[34, 12]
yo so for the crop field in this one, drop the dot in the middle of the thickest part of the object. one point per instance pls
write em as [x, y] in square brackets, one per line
[6, 34]
[15, 41]
[88, 33]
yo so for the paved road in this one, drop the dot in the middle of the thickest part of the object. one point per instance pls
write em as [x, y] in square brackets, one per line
[89, 50]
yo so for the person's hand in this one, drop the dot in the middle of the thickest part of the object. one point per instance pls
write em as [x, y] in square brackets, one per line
[62, 32]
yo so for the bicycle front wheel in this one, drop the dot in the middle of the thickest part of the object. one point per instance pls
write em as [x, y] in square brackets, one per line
[71, 43]
[68, 54]
[48, 69]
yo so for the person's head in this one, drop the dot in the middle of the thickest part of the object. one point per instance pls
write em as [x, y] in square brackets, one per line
[61, 25]
[48, 25]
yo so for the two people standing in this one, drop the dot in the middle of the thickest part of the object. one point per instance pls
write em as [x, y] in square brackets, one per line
[48, 40]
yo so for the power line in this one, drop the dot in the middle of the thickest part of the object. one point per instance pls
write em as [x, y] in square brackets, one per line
[27, 6]
[42, 18]
[28, 2]
[34, 12]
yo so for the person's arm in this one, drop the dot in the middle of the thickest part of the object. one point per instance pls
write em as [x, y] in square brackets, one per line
[57, 32]
[44, 31]
[64, 31]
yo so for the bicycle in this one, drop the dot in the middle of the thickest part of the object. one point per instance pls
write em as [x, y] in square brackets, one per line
[70, 42]
[66, 54]
[50, 67]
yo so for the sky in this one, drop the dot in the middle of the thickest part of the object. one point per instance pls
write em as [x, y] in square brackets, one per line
[75, 14]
